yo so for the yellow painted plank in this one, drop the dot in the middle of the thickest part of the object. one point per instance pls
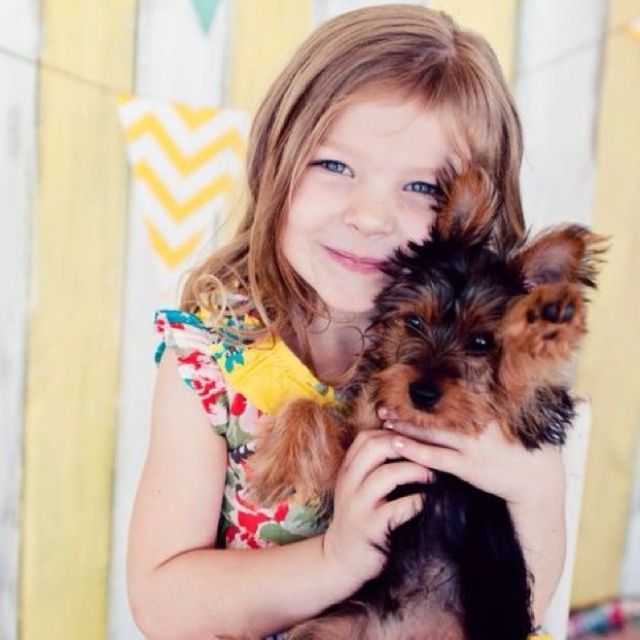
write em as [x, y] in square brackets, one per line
[73, 342]
[265, 34]
[496, 21]
[609, 368]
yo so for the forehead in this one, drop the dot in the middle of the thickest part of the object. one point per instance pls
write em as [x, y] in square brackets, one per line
[390, 123]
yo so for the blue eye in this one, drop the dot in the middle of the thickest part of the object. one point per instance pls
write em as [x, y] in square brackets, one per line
[425, 188]
[334, 166]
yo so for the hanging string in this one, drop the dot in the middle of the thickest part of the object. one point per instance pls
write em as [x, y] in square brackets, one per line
[613, 32]
[69, 75]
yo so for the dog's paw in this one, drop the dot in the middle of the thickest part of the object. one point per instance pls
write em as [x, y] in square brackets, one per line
[549, 322]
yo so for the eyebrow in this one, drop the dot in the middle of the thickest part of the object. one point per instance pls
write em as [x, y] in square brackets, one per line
[333, 146]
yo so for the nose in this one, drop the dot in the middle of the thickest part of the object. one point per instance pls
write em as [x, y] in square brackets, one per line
[370, 214]
[424, 395]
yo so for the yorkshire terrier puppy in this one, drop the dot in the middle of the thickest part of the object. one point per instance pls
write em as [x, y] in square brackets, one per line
[467, 331]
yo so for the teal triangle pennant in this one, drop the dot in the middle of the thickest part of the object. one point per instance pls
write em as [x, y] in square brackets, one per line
[205, 10]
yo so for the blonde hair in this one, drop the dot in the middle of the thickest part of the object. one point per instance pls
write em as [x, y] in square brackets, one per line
[406, 48]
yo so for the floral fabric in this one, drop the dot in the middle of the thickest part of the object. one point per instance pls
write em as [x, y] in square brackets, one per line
[267, 375]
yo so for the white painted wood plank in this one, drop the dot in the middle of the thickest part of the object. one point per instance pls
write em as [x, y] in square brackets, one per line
[556, 88]
[176, 62]
[324, 10]
[19, 34]
[19, 27]
[557, 83]
[630, 578]
[574, 456]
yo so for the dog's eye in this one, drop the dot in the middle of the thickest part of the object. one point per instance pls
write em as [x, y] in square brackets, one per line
[481, 342]
[413, 322]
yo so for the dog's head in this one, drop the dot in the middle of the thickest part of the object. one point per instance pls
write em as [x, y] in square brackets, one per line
[468, 331]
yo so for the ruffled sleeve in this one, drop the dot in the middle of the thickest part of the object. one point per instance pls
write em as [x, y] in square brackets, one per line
[188, 337]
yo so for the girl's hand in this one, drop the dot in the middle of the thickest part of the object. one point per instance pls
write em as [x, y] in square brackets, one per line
[363, 517]
[489, 460]
[531, 482]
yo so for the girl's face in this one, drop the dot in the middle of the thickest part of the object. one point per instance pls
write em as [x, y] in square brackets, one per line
[367, 189]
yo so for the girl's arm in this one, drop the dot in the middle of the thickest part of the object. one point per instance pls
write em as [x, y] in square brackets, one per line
[181, 587]
[540, 522]
[532, 483]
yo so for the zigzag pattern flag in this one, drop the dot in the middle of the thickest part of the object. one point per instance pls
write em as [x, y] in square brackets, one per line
[185, 161]
[205, 11]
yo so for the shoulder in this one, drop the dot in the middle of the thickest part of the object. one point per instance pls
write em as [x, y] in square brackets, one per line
[175, 407]
[179, 330]
[191, 343]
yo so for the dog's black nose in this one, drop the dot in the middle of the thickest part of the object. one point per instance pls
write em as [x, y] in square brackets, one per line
[424, 395]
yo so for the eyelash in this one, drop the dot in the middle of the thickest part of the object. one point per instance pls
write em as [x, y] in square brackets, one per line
[335, 166]
[327, 164]
[426, 189]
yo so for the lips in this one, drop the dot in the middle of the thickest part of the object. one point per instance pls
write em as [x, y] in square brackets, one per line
[358, 264]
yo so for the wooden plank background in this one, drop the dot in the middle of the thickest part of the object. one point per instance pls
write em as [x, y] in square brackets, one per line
[609, 368]
[19, 34]
[78, 332]
[74, 334]
[196, 76]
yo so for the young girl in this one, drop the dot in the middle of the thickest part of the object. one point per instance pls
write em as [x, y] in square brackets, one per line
[341, 171]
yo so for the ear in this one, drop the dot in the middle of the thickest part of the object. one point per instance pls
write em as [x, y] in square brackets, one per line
[469, 204]
[570, 253]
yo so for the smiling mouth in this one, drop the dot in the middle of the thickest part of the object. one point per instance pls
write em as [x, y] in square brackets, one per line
[356, 263]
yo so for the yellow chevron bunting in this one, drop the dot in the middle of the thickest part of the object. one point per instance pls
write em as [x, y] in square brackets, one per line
[194, 117]
[185, 160]
[150, 124]
[178, 211]
[123, 97]
[172, 256]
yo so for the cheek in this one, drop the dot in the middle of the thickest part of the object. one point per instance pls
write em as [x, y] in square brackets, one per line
[416, 226]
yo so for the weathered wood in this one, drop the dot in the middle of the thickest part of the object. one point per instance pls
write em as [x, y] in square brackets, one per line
[496, 22]
[630, 578]
[74, 335]
[265, 35]
[609, 368]
[325, 9]
[557, 84]
[18, 34]
[175, 62]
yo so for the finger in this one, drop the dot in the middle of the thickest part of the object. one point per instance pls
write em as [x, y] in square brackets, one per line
[439, 437]
[360, 441]
[368, 456]
[431, 456]
[399, 511]
[383, 480]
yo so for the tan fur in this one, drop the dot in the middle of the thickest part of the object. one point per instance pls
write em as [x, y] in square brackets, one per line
[300, 450]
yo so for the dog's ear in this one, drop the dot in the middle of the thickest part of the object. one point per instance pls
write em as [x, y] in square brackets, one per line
[468, 204]
[570, 253]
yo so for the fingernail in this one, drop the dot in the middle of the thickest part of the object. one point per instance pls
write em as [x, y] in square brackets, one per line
[382, 413]
[398, 443]
[389, 425]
